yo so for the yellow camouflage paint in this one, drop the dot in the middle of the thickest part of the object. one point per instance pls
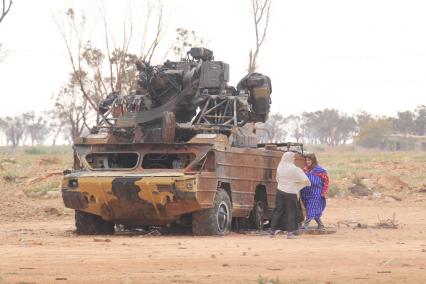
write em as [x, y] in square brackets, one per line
[97, 188]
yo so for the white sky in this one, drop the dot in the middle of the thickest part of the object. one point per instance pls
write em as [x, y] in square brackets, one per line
[349, 55]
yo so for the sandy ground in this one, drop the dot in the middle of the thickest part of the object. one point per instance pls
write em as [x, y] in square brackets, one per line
[45, 250]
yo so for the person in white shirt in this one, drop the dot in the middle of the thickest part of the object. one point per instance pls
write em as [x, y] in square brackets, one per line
[291, 180]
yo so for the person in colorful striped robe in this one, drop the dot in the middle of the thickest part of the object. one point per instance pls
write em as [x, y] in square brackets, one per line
[314, 196]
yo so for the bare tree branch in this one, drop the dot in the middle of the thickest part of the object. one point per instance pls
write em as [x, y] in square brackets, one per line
[157, 38]
[146, 26]
[127, 36]
[99, 71]
[5, 9]
[260, 12]
[77, 66]
[106, 38]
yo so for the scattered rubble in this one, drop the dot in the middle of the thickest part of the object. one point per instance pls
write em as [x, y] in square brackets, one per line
[13, 178]
[7, 161]
[359, 190]
[381, 224]
[52, 211]
[326, 231]
[101, 240]
[391, 197]
[9, 179]
[387, 223]
[376, 195]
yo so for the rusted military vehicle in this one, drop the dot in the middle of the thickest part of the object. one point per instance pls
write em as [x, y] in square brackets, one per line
[177, 152]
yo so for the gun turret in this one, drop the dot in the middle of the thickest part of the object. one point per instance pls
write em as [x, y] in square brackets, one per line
[193, 95]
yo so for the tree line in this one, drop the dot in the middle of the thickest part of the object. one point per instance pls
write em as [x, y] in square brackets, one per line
[25, 129]
[332, 127]
[326, 127]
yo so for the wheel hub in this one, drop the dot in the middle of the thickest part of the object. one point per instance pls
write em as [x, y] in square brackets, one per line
[222, 217]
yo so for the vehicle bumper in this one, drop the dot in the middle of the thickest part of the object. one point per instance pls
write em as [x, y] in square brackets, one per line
[134, 200]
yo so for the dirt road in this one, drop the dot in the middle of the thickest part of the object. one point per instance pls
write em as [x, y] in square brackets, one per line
[47, 251]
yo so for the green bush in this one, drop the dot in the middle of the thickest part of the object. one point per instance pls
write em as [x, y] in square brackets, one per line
[358, 181]
[48, 150]
[333, 190]
[264, 280]
[42, 189]
[34, 151]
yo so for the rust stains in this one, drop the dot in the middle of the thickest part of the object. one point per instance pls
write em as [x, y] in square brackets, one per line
[125, 188]
[74, 199]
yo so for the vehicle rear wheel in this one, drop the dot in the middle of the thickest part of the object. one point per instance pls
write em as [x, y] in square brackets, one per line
[216, 220]
[90, 224]
[255, 220]
[257, 215]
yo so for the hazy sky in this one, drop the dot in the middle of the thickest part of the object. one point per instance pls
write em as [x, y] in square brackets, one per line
[349, 55]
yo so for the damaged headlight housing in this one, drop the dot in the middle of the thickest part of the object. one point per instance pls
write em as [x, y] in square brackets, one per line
[72, 183]
[185, 184]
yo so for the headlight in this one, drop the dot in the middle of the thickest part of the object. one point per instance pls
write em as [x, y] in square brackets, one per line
[188, 184]
[73, 183]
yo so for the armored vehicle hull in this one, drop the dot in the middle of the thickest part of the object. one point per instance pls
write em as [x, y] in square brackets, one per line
[203, 184]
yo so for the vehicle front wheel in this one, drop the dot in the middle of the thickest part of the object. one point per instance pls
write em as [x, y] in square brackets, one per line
[216, 220]
[90, 224]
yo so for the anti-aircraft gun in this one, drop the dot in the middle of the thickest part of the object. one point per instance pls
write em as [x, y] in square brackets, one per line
[177, 100]
[177, 152]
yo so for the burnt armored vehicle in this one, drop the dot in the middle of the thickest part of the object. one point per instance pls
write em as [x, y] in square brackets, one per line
[178, 151]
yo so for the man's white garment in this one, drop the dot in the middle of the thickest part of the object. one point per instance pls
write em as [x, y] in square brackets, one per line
[290, 178]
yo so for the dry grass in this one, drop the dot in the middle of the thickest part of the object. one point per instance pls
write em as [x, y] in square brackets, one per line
[346, 166]
[376, 170]
[24, 163]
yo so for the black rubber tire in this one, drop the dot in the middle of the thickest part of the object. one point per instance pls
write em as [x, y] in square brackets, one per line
[214, 221]
[90, 224]
[257, 215]
[241, 224]
[255, 220]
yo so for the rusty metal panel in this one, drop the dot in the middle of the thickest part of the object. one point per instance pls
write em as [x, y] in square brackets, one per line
[207, 187]
[245, 169]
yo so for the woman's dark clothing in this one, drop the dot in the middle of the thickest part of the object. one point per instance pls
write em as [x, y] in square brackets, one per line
[285, 213]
